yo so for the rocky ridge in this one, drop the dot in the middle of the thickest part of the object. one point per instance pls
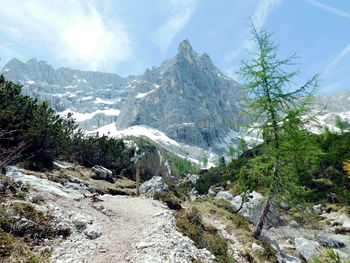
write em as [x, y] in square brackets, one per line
[175, 98]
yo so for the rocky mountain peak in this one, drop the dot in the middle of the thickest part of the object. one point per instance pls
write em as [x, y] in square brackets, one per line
[185, 47]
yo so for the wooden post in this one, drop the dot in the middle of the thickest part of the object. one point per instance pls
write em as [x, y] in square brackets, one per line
[137, 178]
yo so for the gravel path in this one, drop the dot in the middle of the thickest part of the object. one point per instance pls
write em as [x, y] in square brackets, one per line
[125, 229]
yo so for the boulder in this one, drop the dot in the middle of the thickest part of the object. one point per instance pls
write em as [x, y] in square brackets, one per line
[156, 184]
[214, 190]
[224, 195]
[80, 220]
[306, 248]
[330, 240]
[102, 173]
[92, 232]
[257, 248]
[344, 220]
[193, 194]
[193, 178]
[317, 209]
[290, 259]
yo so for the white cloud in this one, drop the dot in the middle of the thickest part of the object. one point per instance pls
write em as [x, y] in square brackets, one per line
[338, 58]
[74, 31]
[330, 9]
[178, 14]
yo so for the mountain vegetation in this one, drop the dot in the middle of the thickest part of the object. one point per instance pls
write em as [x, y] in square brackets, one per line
[32, 133]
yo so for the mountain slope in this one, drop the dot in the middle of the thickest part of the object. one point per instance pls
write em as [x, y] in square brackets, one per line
[187, 97]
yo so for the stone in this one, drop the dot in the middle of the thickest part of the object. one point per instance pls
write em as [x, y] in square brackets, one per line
[61, 166]
[317, 209]
[224, 195]
[211, 192]
[257, 248]
[102, 173]
[193, 194]
[344, 220]
[92, 232]
[330, 240]
[306, 248]
[80, 220]
[9, 213]
[290, 259]
[156, 183]
[193, 178]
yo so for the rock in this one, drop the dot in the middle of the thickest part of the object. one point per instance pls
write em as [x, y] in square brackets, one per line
[46, 249]
[224, 195]
[211, 192]
[214, 190]
[92, 232]
[344, 220]
[102, 173]
[9, 213]
[317, 209]
[293, 223]
[80, 220]
[23, 221]
[256, 248]
[156, 183]
[329, 240]
[193, 178]
[307, 248]
[61, 166]
[193, 194]
[290, 259]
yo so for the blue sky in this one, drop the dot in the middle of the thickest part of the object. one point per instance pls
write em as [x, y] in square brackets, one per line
[128, 36]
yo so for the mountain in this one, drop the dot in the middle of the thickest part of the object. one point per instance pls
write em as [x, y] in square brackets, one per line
[328, 107]
[186, 97]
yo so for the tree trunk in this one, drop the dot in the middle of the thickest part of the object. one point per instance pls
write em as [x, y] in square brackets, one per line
[260, 223]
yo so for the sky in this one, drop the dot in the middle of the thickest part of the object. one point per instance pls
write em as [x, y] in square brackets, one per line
[128, 36]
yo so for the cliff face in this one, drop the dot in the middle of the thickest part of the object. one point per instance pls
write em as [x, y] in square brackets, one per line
[187, 97]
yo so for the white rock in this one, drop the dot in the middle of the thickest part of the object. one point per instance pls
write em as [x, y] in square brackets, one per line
[80, 220]
[224, 195]
[92, 232]
[256, 248]
[307, 248]
[156, 183]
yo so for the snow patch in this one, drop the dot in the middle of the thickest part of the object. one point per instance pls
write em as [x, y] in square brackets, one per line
[142, 95]
[102, 101]
[86, 116]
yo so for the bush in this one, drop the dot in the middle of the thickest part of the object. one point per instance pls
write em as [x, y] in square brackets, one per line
[190, 224]
[212, 177]
[109, 152]
[182, 167]
[35, 124]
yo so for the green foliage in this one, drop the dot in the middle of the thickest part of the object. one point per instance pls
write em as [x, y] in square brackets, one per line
[277, 112]
[169, 198]
[44, 133]
[212, 177]
[341, 125]
[181, 167]
[46, 136]
[109, 152]
[328, 256]
[204, 236]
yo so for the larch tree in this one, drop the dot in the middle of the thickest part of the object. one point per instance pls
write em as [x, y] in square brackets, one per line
[273, 107]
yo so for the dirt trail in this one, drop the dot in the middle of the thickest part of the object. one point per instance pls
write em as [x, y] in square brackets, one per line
[130, 229]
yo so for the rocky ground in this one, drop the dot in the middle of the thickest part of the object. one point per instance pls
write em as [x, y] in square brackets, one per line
[118, 228]
[110, 228]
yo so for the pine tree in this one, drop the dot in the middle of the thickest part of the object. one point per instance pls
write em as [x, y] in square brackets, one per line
[269, 104]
